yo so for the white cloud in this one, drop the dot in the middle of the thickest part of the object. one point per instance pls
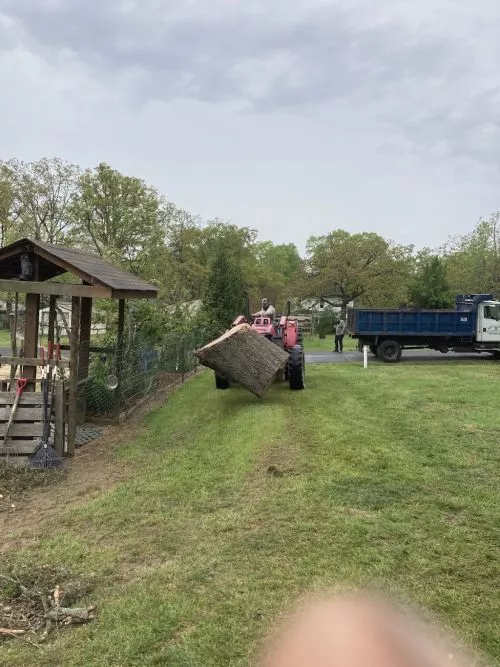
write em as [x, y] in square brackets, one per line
[294, 116]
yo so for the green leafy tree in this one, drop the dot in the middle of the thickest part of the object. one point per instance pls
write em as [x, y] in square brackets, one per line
[224, 293]
[40, 197]
[361, 266]
[430, 287]
[117, 216]
[273, 271]
[473, 260]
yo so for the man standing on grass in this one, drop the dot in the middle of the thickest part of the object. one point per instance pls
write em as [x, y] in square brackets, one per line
[339, 336]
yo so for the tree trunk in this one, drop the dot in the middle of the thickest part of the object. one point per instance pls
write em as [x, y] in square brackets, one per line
[243, 356]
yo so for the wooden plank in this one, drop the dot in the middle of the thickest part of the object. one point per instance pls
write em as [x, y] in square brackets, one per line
[25, 361]
[13, 335]
[55, 289]
[52, 318]
[134, 294]
[22, 430]
[85, 327]
[84, 358]
[31, 398]
[119, 356]
[73, 377]
[59, 418]
[93, 348]
[26, 446]
[33, 413]
[31, 333]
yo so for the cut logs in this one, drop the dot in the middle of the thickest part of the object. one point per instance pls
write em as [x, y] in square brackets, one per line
[243, 356]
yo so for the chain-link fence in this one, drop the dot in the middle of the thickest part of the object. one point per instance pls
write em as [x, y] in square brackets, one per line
[141, 368]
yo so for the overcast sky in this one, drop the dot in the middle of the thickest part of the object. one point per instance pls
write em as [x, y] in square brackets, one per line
[295, 117]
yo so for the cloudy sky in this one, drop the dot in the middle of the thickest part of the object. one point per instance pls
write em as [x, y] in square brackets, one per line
[292, 116]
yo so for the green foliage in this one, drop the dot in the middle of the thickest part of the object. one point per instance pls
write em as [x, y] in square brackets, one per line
[118, 216]
[224, 295]
[473, 260]
[273, 270]
[37, 199]
[326, 322]
[430, 288]
[356, 266]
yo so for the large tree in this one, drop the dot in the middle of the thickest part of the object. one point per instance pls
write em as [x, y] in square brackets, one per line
[473, 260]
[40, 196]
[224, 291]
[274, 268]
[361, 266]
[118, 216]
[430, 287]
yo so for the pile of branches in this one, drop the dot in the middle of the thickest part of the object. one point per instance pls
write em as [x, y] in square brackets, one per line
[34, 603]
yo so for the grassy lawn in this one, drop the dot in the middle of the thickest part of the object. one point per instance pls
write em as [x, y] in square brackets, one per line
[315, 344]
[387, 476]
[4, 338]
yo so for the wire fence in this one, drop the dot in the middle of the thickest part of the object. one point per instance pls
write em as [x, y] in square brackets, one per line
[142, 368]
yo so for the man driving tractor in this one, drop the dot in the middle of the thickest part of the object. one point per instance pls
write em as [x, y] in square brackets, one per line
[267, 310]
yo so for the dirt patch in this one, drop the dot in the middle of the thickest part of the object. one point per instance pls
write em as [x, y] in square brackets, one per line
[94, 470]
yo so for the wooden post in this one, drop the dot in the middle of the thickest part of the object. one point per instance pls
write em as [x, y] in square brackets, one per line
[83, 363]
[59, 417]
[73, 373]
[31, 336]
[13, 338]
[52, 318]
[119, 357]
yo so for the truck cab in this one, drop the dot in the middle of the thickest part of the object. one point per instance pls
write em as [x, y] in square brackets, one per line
[488, 322]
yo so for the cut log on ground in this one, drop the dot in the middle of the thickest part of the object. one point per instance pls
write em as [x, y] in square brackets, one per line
[243, 356]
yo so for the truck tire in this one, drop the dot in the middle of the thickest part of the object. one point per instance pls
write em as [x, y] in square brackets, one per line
[296, 368]
[373, 349]
[221, 383]
[389, 351]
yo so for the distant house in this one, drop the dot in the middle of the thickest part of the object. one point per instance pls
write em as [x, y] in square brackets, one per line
[63, 319]
[190, 308]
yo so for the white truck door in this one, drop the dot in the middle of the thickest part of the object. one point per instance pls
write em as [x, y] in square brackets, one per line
[488, 322]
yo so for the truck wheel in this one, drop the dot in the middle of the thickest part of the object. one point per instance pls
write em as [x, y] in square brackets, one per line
[296, 368]
[373, 349]
[221, 383]
[496, 355]
[389, 351]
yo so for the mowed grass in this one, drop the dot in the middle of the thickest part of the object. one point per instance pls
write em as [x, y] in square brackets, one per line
[313, 343]
[386, 477]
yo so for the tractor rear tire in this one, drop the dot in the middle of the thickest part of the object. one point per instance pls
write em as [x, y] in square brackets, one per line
[296, 368]
[389, 351]
[221, 383]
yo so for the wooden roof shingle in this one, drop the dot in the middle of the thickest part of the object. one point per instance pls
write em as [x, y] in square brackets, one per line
[54, 260]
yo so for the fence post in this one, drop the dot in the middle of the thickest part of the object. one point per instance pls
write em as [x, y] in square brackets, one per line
[119, 358]
[73, 373]
[59, 417]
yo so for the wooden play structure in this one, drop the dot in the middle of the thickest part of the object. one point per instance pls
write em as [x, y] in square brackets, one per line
[29, 267]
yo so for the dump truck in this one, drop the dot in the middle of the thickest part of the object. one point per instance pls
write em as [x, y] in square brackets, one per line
[472, 326]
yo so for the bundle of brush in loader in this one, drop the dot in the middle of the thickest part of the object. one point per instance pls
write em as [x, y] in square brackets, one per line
[256, 354]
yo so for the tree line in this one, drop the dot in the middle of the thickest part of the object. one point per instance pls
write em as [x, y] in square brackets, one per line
[128, 222]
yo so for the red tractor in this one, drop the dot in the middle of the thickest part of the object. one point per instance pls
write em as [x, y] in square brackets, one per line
[286, 333]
